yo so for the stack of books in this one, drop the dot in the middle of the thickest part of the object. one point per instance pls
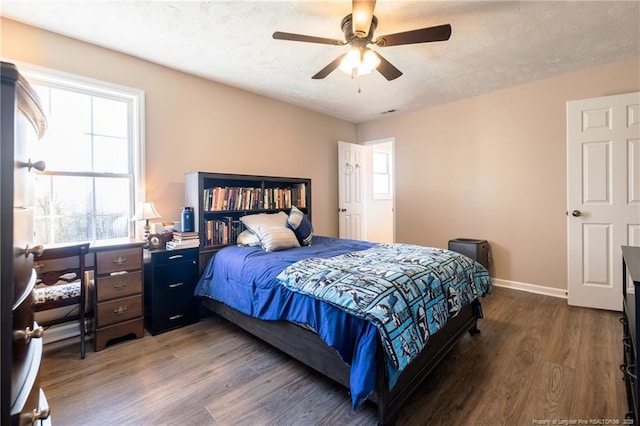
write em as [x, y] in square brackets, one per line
[183, 240]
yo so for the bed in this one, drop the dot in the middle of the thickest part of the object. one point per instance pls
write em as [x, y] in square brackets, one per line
[270, 294]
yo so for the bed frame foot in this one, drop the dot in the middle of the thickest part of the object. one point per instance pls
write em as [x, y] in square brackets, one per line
[474, 330]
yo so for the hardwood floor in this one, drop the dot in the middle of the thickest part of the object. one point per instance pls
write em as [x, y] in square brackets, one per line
[536, 359]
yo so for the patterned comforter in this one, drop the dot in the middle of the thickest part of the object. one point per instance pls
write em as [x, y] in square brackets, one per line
[408, 292]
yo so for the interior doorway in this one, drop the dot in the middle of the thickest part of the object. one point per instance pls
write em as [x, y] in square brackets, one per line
[379, 191]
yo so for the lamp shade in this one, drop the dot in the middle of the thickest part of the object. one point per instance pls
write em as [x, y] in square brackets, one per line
[145, 211]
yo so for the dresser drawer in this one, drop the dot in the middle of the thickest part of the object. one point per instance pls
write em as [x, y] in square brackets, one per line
[118, 310]
[22, 236]
[25, 385]
[23, 325]
[23, 176]
[118, 285]
[118, 260]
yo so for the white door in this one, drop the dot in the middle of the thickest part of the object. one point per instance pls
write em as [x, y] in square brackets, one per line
[350, 190]
[603, 196]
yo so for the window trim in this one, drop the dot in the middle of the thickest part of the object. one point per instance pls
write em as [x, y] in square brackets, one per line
[382, 195]
[91, 86]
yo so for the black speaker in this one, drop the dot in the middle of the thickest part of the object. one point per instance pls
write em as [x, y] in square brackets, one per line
[477, 250]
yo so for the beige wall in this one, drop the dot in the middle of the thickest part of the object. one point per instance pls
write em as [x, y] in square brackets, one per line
[194, 124]
[491, 166]
[494, 167]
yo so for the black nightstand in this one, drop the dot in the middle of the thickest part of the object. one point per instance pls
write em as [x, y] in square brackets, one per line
[170, 277]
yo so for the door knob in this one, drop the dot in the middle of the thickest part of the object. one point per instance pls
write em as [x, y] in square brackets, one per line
[576, 213]
[342, 210]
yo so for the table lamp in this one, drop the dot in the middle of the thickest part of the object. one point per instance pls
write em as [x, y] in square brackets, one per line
[146, 211]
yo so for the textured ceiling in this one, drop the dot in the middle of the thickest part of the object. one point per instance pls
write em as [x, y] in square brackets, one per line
[493, 44]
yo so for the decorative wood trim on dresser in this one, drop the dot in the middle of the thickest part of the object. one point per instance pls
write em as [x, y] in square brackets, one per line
[117, 295]
[22, 123]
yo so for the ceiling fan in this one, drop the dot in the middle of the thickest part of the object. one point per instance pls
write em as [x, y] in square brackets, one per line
[358, 28]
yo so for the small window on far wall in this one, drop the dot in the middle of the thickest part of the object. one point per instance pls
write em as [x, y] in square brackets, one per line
[93, 155]
[381, 169]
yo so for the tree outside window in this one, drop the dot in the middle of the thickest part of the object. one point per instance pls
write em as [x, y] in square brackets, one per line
[92, 151]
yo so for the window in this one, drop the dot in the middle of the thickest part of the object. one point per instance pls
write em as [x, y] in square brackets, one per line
[93, 154]
[381, 168]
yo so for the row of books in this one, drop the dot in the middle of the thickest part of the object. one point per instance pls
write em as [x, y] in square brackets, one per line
[222, 231]
[183, 240]
[241, 198]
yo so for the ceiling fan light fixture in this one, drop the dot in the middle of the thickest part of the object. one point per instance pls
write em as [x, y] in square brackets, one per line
[359, 61]
[370, 60]
[361, 23]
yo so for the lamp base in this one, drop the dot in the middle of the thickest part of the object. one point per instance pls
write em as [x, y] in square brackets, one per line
[145, 236]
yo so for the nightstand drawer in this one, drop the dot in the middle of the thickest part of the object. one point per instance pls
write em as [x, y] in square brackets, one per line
[118, 310]
[174, 320]
[175, 282]
[119, 285]
[116, 261]
[174, 256]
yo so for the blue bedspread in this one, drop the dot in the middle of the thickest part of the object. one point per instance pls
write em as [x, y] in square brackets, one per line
[409, 292]
[245, 278]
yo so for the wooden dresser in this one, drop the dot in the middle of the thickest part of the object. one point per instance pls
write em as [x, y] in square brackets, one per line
[22, 124]
[118, 296]
[631, 332]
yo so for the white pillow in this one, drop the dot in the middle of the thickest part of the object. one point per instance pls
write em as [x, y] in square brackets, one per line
[254, 222]
[271, 230]
[247, 238]
[277, 238]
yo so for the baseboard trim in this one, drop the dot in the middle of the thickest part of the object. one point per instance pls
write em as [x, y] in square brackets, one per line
[531, 288]
[61, 332]
[65, 334]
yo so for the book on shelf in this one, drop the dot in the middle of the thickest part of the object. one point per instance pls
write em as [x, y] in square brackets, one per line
[222, 231]
[221, 198]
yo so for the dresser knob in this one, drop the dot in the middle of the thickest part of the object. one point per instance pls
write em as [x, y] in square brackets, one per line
[120, 285]
[36, 251]
[32, 417]
[38, 165]
[28, 334]
[120, 310]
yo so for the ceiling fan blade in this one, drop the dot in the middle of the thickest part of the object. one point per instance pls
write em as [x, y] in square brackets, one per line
[278, 35]
[329, 68]
[423, 35]
[387, 70]
[361, 16]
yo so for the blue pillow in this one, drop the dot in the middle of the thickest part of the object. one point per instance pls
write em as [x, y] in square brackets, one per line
[301, 226]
